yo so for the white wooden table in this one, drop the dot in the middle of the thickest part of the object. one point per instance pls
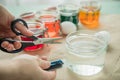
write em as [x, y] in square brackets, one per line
[111, 71]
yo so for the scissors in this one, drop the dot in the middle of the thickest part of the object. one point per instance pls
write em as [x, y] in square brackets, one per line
[25, 44]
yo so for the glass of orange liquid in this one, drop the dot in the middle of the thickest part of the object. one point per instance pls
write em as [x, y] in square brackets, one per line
[89, 13]
[51, 22]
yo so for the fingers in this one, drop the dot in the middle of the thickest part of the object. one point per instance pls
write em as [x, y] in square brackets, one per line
[9, 47]
[44, 64]
[49, 75]
[23, 29]
[17, 45]
[44, 58]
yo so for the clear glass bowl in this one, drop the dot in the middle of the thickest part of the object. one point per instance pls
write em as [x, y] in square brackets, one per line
[86, 53]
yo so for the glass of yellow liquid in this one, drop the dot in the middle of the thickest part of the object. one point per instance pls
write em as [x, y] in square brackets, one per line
[89, 13]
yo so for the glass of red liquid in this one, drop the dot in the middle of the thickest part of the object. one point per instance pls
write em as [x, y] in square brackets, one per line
[51, 21]
[38, 30]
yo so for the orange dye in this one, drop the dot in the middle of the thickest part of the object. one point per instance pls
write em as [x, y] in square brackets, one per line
[89, 17]
[52, 25]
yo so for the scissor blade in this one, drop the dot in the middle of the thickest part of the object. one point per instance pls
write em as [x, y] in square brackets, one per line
[47, 40]
[51, 40]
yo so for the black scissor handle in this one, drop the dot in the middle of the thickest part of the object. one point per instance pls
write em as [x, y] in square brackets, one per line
[10, 41]
[24, 45]
[13, 27]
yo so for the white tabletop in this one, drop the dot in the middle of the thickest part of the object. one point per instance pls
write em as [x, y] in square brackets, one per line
[109, 21]
[111, 70]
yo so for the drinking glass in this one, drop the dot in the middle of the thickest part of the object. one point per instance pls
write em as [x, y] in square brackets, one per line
[51, 21]
[89, 13]
[68, 12]
[86, 53]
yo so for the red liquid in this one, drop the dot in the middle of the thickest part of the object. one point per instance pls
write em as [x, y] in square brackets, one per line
[32, 48]
[35, 47]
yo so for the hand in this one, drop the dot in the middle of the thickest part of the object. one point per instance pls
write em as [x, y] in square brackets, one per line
[5, 32]
[32, 68]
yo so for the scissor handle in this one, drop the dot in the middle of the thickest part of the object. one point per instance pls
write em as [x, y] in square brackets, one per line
[10, 41]
[24, 45]
[13, 27]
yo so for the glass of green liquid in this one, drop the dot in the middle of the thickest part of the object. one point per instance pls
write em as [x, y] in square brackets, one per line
[69, 12]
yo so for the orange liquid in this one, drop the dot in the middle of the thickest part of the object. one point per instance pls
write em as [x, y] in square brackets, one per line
[53, 26]
[89, 18]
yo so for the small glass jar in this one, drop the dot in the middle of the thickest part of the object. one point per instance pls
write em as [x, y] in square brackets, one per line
[89, 13]
[86, 53]
[69, 12]
[51, 21]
